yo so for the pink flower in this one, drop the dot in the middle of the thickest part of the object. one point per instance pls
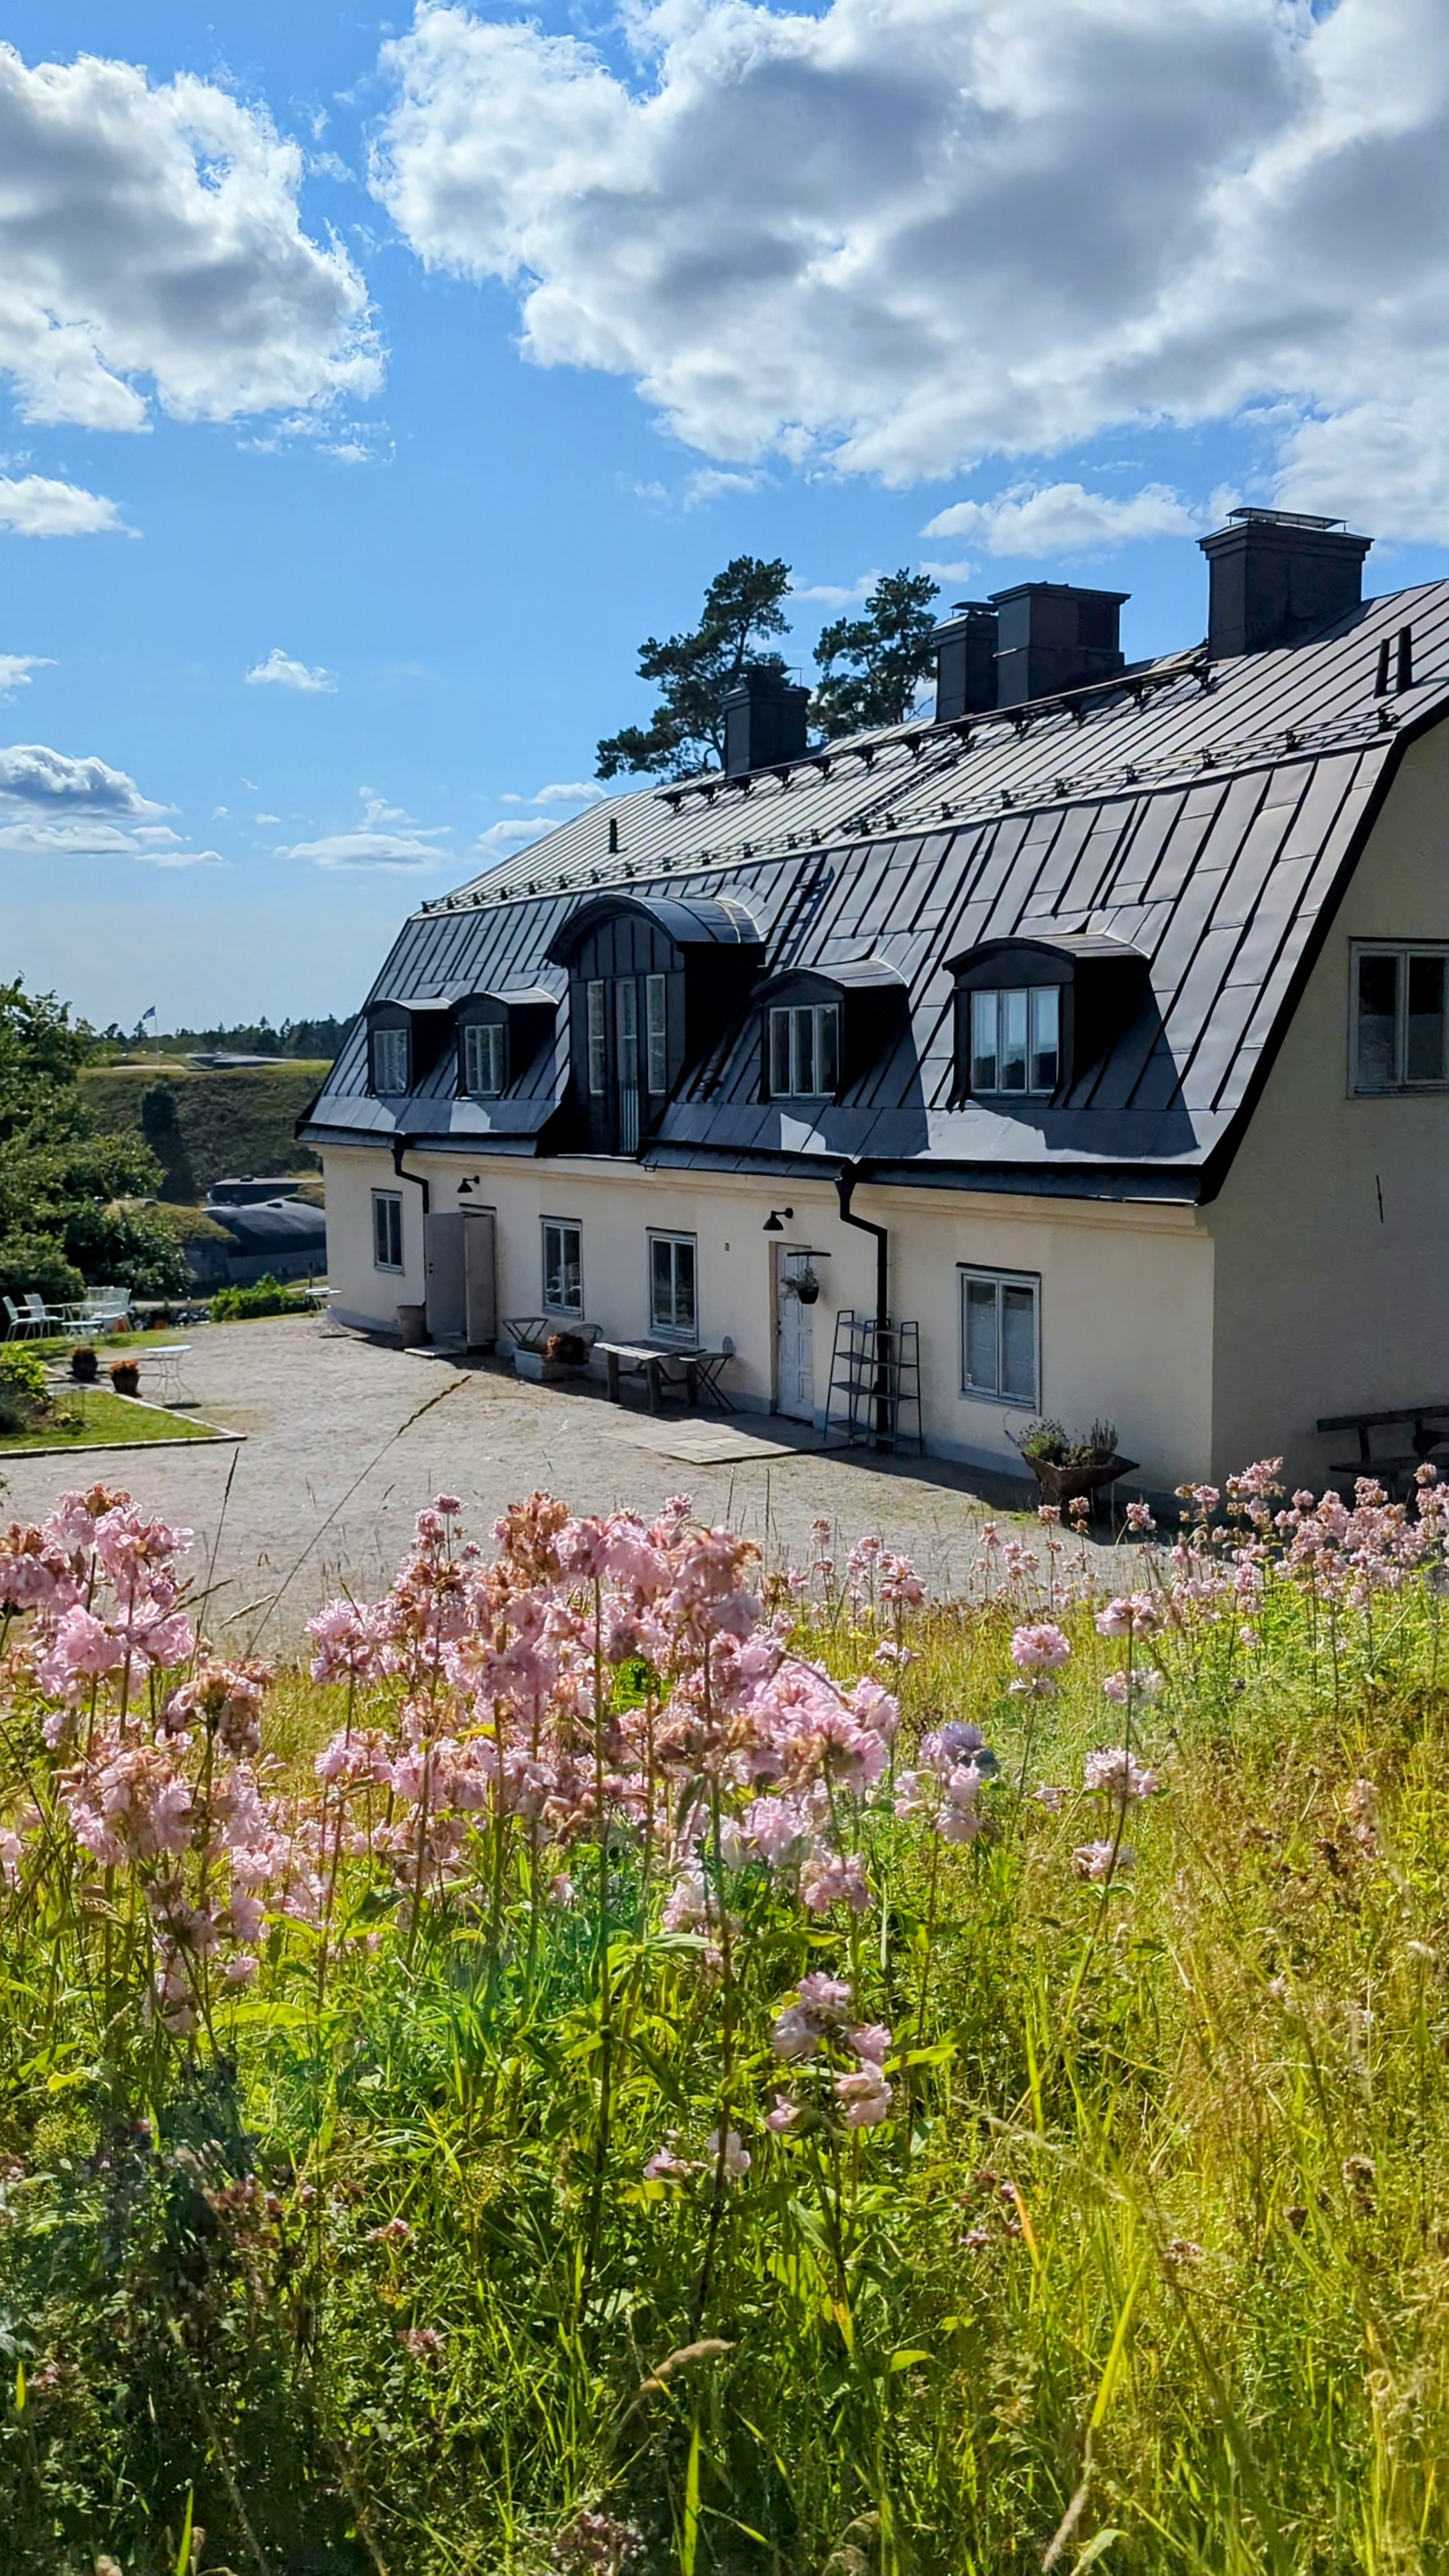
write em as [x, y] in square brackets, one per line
[1114, 1771]
[737, 2158]
[869, 2039]
[241, 1970]
[1040, 1648]
[1095, 1860]
[784, 2115]
[831, 1878]
[865, 2095]
[1142, 1683]
[1130, 1614]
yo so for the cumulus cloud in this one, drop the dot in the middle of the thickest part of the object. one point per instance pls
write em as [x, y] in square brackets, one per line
[32, 505]
[901, 236]
[151, 241]
[15, 670]
[835, 594]
[55, 806]
[280, 671]
[502, 839]
[404, 850]
[1065, 519]
[578, 791]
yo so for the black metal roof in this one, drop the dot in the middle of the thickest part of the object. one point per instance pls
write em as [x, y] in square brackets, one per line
[1205, 816]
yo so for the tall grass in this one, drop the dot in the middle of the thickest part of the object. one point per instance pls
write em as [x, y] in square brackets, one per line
[1148, 2267]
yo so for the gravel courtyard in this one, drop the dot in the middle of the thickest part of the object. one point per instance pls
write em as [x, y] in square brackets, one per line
[345, 1439]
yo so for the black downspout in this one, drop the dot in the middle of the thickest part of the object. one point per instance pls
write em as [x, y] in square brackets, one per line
[400, 1146]
[845, 1184]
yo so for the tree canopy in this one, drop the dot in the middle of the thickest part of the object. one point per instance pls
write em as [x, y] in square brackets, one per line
[696, 672]
[870, 666]
[64, 1221]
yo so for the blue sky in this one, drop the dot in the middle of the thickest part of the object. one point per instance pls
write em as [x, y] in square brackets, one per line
[429, 363]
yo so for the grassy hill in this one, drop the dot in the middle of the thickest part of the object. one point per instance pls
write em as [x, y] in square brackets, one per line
[205, 1124]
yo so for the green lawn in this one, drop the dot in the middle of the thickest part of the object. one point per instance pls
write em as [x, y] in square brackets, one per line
[86, 1417]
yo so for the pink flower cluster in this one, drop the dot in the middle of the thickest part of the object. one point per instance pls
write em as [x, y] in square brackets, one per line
[819, 2018]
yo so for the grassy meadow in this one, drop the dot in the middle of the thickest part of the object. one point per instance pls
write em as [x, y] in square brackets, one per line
[581, 2085]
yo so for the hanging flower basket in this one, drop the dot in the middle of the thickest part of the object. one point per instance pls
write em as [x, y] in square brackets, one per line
[806, 1286]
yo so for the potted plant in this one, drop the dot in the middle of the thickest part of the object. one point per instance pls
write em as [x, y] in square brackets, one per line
[125, 1376]
[805, 1285]
[84, 1365]
[1067, 1464]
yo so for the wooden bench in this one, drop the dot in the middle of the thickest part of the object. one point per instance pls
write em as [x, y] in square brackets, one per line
[1389, 1470]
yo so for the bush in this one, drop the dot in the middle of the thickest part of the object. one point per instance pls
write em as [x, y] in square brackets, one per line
[36, 1262]
[265, 1296]
[24, 1388]
[1058, 1448]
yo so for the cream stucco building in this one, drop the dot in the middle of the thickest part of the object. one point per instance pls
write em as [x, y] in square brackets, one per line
[1110, 1006]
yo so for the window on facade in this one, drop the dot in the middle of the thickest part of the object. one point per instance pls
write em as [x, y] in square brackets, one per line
[999, 1336]
[484, 1057]
[387, 1249]
[390, 1053]
[1016, 1039]
[656, 1012]
[805, 1051]
[563, 1267]
[627, 992]
[598, 1036]
[1399, 1018]
[673, 1307]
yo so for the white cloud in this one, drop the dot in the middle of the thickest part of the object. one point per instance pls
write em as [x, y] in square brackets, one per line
[31, 505]
[834, 594]
[501, 839]
[153, 234]
[579, 791]
[76, 838]
[280, 670]
[403, 850]
[15, 670]
[900, 236]
[54, 782]
[949, 572]
[1065, 519]
[714, 483]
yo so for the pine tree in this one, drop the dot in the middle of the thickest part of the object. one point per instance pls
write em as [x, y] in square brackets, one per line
[696, 672]
[885, 654]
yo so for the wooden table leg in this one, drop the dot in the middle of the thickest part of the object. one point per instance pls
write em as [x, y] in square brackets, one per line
[611, 1365]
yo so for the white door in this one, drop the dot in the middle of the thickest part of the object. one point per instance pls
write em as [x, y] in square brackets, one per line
[794, 1356]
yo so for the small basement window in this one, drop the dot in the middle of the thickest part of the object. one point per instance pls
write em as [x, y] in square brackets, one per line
[1000, 1335]
[387, 1242]
[1399, 1018]
[563, 1267]
[805, 1051]
[391, 1053]
[1016, 1037]
[673, 1306]
[485, 1054]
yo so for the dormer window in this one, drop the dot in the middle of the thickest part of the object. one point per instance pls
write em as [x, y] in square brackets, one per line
[391, 1051]
[653, 981]
[485, 1058]
[805, 1051]
[1016, 1034]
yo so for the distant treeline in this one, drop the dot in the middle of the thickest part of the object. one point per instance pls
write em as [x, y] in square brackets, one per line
[315, 1039]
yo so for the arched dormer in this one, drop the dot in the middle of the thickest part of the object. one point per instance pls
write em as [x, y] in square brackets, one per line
[653, 980]
[823, 1027]
[1034, 1015]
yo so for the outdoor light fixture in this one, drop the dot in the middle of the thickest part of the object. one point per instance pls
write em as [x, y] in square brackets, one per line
[772, 1223]
[466, 1188]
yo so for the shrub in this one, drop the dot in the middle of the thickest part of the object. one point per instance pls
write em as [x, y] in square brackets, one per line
[264, 1296]
[1058, 1448]
[24, 1387]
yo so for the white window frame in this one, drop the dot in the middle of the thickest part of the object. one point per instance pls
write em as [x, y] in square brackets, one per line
[665, 1326]
[562, 1226]
[596, 1035]
[787, 1021]
[387, 1231]
[656, 1028]
[966, 1272]
[993, 998]
[1403, 951]
[485, 1054]
[385, 1045]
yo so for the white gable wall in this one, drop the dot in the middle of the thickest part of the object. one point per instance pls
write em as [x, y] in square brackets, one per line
[1325, 1305]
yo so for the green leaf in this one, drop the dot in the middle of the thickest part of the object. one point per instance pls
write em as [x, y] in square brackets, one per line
[907, 2360]
[689, 2539]
[1097, 2547]
[183, 2554]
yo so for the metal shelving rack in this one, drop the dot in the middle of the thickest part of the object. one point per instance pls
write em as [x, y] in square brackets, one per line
[875, 1385]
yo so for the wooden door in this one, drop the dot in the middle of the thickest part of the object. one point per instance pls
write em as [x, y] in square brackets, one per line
[794, 1340]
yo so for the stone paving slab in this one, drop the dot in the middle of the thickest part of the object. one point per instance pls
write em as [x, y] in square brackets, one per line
[346, 1439]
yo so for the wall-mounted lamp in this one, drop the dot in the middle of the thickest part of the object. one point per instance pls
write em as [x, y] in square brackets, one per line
[466, 1188]
[772, 1223]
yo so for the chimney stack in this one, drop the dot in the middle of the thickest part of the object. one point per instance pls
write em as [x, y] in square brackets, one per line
[1276, 577]
[1051, 637]
[764, 722]
[965, 645]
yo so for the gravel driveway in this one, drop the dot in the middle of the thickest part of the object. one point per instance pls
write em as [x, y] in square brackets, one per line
[344, 1442]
